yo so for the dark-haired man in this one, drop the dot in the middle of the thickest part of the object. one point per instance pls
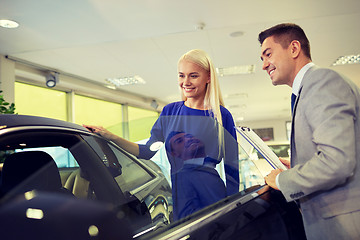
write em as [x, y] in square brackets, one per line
[324, 176]
[197, 184]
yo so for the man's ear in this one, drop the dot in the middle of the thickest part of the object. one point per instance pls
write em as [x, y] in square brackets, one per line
[295, 48]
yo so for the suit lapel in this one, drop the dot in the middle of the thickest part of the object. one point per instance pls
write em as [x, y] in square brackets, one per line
[292, 135]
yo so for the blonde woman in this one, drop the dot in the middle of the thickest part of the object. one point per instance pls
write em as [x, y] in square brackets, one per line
[200, 113]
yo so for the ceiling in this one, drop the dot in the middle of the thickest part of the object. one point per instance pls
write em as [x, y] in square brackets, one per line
[96, 40]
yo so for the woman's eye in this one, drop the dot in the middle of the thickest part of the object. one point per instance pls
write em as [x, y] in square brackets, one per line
[194, 76]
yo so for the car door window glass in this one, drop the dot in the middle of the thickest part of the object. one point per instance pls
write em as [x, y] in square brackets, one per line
[132, 175]
[62, 156]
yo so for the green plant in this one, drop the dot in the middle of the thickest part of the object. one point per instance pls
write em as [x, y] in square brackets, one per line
[5, 107]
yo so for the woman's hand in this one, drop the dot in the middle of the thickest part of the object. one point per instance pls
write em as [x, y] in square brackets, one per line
[100, 130]
[128, 146]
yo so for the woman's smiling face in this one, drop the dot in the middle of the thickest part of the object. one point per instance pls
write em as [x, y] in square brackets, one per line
[193, 80]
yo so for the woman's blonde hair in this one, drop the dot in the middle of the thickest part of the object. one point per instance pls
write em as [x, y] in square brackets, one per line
[213, 98]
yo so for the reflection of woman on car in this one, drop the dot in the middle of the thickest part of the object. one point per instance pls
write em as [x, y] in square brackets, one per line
[201, 113]
[197, 183]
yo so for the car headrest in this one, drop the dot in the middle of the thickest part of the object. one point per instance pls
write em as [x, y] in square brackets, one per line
[30, 170]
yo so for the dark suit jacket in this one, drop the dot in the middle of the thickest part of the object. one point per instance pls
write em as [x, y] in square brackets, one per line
[197, 186]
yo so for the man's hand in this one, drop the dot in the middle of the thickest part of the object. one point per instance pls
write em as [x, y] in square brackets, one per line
[270, 179]
[285, 162]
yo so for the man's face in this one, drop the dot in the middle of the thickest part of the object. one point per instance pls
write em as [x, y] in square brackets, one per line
[277, 62]
[186, 146]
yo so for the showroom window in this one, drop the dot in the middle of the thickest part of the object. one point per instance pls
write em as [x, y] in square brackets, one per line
[47, 102]
[39, 101]
[140, 123]
[98, 112]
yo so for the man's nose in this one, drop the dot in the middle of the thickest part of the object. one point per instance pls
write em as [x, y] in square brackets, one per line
[265, 65]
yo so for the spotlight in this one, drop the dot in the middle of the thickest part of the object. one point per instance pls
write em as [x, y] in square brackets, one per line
[52, 79]
[154, 104]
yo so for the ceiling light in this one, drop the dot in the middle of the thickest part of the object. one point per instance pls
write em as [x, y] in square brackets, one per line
[235, 70]
[200, 26]
[8, 23]
[236, 34]
[122, 81]
[349, 59]
[154, 104]
[241, 118]
[110, 86]
[236, 95]
[242, 106]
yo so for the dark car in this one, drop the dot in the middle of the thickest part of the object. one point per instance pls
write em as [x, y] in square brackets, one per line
[60, 181]
[63, 158]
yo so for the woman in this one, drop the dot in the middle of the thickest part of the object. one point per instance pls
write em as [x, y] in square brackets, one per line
[200, 113]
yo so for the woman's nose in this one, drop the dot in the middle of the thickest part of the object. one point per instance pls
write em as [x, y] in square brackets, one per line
[187, 81]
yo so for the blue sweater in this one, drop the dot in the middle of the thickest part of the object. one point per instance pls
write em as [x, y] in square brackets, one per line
[200, 123]
[192, 187]
[174, 113]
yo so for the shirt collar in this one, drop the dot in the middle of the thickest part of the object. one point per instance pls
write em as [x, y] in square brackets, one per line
[299, 77]
[195, 161]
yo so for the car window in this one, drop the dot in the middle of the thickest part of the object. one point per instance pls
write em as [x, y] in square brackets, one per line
[70, 154]
[131, 175]
[62, 156]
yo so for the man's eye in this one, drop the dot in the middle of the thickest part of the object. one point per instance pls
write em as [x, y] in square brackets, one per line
[181, 75]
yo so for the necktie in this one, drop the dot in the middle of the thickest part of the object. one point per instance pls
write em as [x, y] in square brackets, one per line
[293, 97]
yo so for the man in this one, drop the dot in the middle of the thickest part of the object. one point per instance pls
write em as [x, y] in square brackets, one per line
[197, 184]
[185, 146]
[325, 150]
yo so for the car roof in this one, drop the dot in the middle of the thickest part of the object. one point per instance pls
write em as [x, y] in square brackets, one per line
[15, 120]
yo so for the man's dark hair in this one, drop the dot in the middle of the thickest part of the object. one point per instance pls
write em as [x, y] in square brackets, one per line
[168, 146]
[284, 34]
